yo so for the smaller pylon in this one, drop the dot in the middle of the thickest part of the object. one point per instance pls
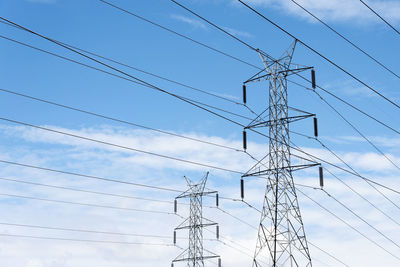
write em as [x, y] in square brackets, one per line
[195, 254]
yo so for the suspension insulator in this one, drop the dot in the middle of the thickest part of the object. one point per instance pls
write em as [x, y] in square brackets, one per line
[217, 232]
[244, 94]
[219, 262]
[315, 127]
[174, 237]
[242, 188]
[217, 200]
[244, 140]
[321, 176]
[313, 79]
[175, 206]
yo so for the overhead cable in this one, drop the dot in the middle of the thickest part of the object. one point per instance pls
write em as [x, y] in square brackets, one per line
[136, 80]
[349, 225]
[120, 146]
[84, 204]
[324, 57]
[179, 34]
[90, 176]
[379, 16]
[359, 176]
[116, 120]
[346, 39]
[84, 190]
[87, 240]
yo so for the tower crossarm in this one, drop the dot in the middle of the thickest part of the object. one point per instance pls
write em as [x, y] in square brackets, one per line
[269, 123]
[291, 167]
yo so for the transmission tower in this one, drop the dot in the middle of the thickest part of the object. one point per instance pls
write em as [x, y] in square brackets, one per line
[195, 254]
[281, 235]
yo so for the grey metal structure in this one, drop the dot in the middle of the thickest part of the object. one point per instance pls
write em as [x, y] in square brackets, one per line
[195, 254]
[281, 236]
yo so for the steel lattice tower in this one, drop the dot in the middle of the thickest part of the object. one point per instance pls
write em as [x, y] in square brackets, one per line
[281, 235]
[195, 254]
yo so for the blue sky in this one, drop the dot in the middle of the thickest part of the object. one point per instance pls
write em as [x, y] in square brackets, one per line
[99, 28]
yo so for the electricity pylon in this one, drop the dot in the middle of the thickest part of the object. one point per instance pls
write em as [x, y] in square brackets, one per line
[281, 235]
[195, 254]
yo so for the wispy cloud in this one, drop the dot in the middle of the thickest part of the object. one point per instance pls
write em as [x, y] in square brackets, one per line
[336, 10]
[192, 22]
[201, 25]
[54, 151]
[238, 33]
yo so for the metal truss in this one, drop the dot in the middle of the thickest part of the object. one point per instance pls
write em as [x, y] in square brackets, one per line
[195, 254]
[281, 236]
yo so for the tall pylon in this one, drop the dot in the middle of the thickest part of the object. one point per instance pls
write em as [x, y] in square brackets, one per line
[281, 237]
[195, 254]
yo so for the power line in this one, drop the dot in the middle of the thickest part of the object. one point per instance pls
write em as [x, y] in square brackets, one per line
[92, 231]
[352, 172]
[90, 176]
[214, 25]
[179, 34]
[183, 36]
[104, 179]
[343, 169]
[356, 215]
[370, 182]
[137, 80]
[258, 50]
[362, 219]
[140, 70]
[367, 181]
[136, 68]
[348, 224]
[157, 75]
[345, 102]
[84, 191]
[232, 247]
[132, 76]
[322, 56]
[81, 230]
[254, 49]
[327, 253]
[121, 146]
[376, 13]
[195, 105]
[346, 39]
[255, 228]
[351, 168]
[236, 218]
[358, 131]
[361, 196]
[85, 204]
[87, 240]
[116, 120]
[57, 104]
[127, 79]
[340, 168]
[153, 74]
[88, 231]
[117, 233]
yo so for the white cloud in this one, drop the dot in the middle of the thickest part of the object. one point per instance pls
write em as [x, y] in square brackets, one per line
[51, 150]
[193, 22]
[238, 33]
[200, 25]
